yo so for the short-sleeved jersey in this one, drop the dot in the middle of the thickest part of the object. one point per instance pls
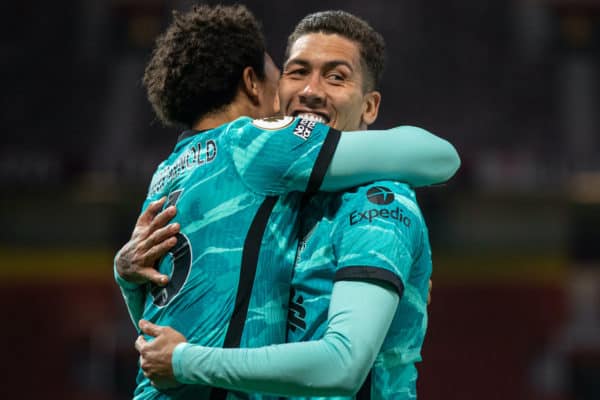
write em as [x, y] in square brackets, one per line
[375, 233]
[231, 268]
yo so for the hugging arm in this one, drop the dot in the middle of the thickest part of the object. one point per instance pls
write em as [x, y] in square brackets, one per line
[406, 154]
[336, 364]
[134, 263]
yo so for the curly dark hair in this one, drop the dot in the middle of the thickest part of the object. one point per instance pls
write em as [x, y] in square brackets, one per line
[197, 64]
[371, 43]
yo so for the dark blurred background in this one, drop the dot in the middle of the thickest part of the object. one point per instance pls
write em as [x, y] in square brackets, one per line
[515, 85]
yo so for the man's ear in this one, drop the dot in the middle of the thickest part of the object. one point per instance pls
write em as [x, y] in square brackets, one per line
[372, 100]
[250, 84]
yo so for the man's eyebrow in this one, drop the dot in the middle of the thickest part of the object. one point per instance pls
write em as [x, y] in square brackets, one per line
[334, 63]
[297, 61]
[327, 65]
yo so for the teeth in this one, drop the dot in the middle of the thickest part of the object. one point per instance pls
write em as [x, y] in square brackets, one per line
[313, 117]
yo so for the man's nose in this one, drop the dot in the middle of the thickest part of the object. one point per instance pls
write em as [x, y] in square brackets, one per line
[313, 94]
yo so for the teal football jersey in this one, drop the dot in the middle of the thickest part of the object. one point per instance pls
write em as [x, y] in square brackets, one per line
[230, 270]
[374, 233]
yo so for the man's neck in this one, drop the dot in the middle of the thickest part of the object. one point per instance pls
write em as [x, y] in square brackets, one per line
[231, 112]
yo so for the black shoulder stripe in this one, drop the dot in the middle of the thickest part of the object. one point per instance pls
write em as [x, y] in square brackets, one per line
[323, 160]
[250, 255]
[375, 274]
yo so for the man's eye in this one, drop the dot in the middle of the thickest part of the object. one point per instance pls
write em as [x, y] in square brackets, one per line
[296, 72]
[335, 77]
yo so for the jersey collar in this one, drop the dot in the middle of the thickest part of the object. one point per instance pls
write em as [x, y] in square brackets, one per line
[189, 133]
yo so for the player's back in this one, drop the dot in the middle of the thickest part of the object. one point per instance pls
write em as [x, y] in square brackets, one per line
[231, 268]
[216, 211]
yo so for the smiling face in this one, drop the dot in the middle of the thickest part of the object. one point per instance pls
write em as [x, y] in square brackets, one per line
[323, 80]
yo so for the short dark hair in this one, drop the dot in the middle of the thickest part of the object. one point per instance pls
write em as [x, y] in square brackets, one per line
[197, 64]
[370, 42]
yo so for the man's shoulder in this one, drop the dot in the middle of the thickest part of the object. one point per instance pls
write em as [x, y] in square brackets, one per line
[380, 202]
[299, 129]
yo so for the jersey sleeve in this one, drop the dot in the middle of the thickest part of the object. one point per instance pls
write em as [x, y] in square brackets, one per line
[378, 234]
[134, 296]
[404, 153]
[335, 365]
[282, 154]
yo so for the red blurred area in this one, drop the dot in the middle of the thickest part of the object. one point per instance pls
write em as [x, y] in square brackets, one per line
[63, 341]
[72, 340]
[482, 338]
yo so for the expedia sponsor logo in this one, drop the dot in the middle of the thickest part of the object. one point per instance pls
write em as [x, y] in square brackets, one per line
[367, 216]
[380, 195]
[304, 128]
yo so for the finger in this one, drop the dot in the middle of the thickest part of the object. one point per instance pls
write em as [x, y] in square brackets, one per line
[156, 251]
[163, 218]
[146, 367]
[140, 342]
[156, 237]
[152, 275]
[170, 230]
[149, 328]
[150, 212]
[162, 234]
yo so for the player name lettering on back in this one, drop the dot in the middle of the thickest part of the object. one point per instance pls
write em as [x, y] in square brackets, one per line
[198, 155]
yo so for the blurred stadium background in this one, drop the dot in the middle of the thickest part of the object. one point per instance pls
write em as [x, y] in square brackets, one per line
[515, 85]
